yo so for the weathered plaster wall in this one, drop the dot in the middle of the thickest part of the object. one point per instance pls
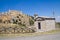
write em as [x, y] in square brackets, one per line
[46, 25]
[42, 26]
[50, 24]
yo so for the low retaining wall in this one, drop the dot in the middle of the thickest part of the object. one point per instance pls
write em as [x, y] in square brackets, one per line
[15, 30]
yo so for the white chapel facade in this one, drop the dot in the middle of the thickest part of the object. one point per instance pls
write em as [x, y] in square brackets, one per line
[43, 24]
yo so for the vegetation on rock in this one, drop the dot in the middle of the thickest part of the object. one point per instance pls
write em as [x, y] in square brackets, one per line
[31, 21]
[15, 22]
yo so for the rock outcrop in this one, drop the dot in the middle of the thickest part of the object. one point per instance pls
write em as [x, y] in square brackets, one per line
[15, 16]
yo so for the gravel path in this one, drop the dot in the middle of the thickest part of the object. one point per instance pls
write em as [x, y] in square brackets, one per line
[43, 37]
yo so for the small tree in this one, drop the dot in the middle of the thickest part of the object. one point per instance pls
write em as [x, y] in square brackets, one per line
[31, 22]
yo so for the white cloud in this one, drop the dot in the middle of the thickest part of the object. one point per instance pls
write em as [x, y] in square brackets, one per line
[58, 18]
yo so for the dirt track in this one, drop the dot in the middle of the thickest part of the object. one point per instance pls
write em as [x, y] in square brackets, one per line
[42, 37]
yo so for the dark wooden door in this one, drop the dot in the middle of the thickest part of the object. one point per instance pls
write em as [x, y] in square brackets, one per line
[39, 25]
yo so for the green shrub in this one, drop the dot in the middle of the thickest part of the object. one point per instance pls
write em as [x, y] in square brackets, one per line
[31, 22]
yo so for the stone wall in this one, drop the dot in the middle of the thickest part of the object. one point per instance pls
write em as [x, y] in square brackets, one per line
[14, 28]
[46, 25]
[43, 27]
[50, 25]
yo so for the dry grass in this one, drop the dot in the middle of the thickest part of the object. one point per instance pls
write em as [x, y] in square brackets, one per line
[30, 34]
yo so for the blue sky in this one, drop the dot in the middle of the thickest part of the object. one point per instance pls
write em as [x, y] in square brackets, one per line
[41, 7]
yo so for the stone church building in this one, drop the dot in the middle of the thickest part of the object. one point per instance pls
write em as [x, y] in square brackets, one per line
[43, 24]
